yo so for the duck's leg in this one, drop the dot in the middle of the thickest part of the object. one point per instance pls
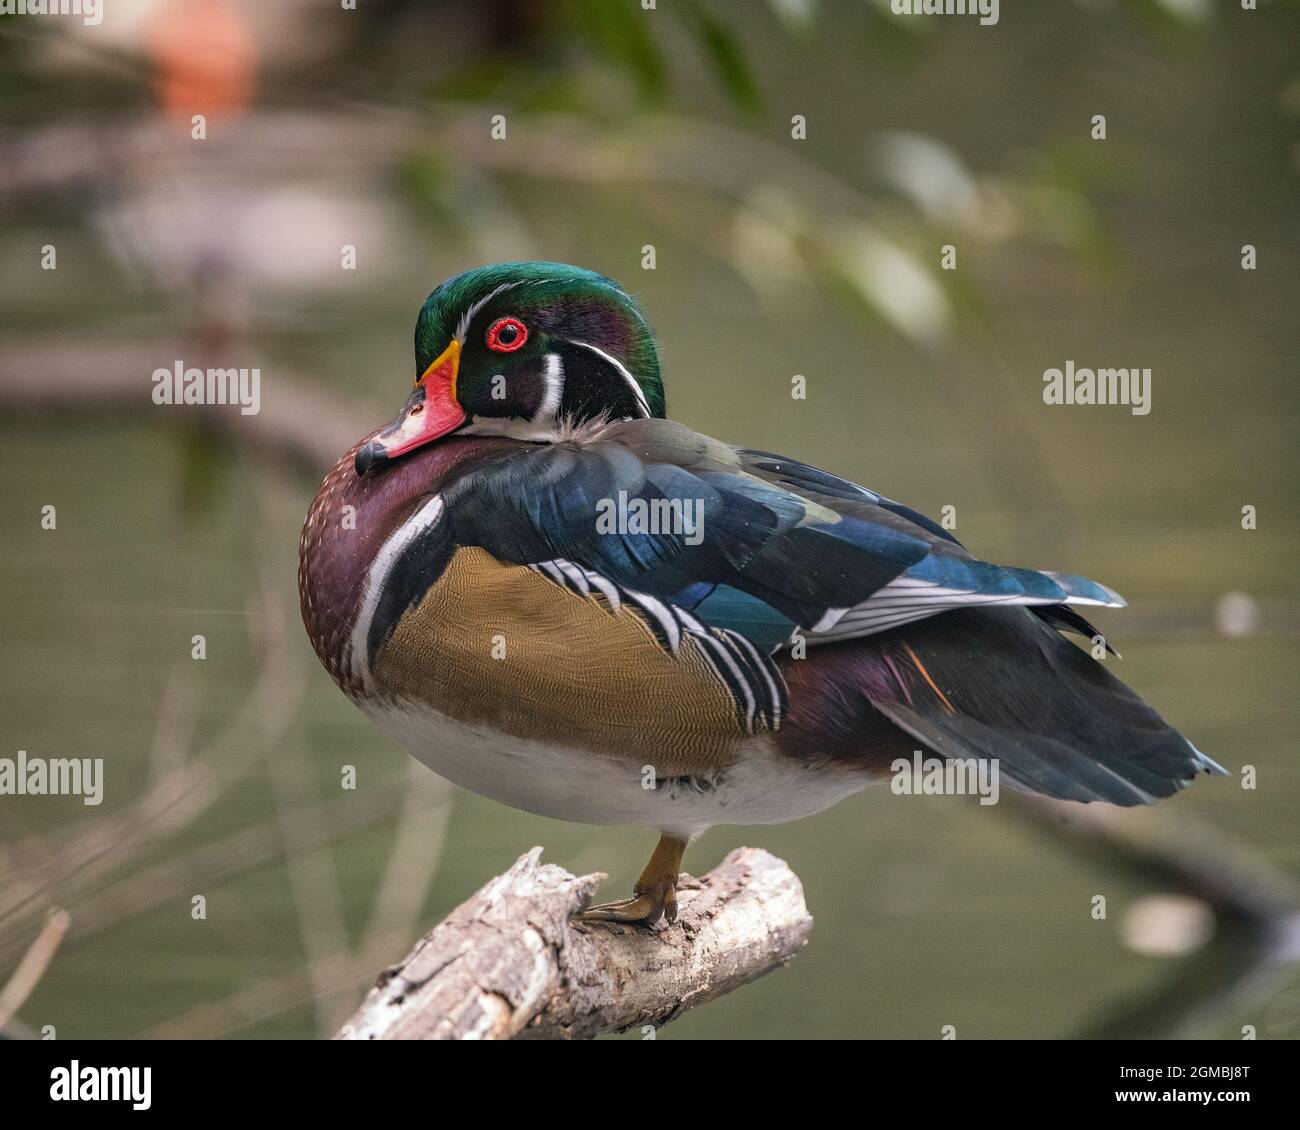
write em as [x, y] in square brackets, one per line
[654, 894]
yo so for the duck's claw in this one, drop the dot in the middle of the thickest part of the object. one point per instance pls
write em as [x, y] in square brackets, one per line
[645, 907]
[654, 894]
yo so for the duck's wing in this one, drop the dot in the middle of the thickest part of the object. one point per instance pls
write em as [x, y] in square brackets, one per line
[684, 610]
[995, 686]
[744, 541]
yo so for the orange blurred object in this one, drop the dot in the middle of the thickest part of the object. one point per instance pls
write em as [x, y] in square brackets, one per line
[205, 58]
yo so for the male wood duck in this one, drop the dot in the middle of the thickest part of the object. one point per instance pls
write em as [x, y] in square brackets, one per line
[556, 597]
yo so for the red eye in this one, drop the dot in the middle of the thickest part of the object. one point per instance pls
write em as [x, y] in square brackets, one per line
[505, 335]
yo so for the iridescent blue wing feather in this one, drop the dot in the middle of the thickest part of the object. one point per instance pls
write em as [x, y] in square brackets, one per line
[773, 546]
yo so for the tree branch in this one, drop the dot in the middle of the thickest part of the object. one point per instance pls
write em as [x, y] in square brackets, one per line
[1256, 948]
[49, 378]
[32, 967]
[510, 964]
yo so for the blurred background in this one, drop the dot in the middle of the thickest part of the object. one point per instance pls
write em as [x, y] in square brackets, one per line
[637, 139]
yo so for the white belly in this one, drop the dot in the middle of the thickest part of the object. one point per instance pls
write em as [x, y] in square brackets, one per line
[762, 787]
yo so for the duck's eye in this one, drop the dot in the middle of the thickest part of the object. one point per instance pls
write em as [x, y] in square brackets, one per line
[505, 335]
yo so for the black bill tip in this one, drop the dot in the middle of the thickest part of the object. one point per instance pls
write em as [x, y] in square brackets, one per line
[369, 455]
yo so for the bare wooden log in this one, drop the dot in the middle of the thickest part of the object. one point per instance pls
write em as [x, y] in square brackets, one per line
[510, 963]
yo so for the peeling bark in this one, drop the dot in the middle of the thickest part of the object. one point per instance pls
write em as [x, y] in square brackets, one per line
[509, 963]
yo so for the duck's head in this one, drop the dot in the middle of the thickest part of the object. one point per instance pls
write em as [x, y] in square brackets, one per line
[516, 349]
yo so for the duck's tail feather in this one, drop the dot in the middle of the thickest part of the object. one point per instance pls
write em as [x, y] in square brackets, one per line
[1000, 684]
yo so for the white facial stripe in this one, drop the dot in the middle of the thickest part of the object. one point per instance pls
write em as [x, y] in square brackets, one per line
[462, 327]
[428, 514]
[631, 380]
[553, 375]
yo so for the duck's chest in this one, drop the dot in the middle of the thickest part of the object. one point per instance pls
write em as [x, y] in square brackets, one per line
[516, 687]
[502, 649]
[760, 786]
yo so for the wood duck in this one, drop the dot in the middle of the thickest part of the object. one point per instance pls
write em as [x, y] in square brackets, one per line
[556, 597]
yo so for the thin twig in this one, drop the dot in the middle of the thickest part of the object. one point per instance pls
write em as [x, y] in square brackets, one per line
[32, 966]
